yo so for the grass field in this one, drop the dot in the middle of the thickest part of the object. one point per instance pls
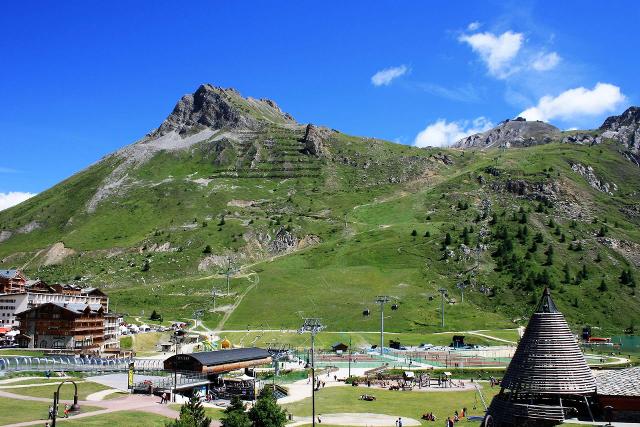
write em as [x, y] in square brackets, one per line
[324, 340]
[16, 411]
[395, 403]
[66, 392]
[123, 418]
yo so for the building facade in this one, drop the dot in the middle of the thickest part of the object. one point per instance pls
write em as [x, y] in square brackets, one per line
[78, 327]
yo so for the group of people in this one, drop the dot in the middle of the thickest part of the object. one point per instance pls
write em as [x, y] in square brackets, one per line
[164, 398]
[54, 411]
[457, 416]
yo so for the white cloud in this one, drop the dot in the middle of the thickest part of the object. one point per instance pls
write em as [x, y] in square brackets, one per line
[497, 51]
[443, 133]
[576, 103]
[386, 76]
[473, 26]
[545, 61]
[12, 198]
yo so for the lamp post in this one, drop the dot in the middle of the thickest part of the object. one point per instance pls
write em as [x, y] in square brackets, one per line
[176, 338]
[349, 376]
[56, 399]
[312, 325]
[443, 292]
[382, 300]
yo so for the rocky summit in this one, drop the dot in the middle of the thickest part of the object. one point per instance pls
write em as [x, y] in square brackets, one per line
[512, 133]
[317, 221]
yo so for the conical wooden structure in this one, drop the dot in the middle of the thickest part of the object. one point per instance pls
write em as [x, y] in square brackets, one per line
[547, 377]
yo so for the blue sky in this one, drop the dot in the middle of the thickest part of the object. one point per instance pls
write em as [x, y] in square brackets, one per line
[80, 79]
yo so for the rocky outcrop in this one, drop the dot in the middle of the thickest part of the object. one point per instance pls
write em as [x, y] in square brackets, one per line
[629, 250]
[593, 180]
[216, 108]
[624, 129]
[581, 139]
[314, 140]
[512, 133]
[5, 235]
[28, 228]
[57, 254]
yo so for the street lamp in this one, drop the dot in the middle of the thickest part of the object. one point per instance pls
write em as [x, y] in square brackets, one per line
[176, 338]
[443, 293]
[382, 300]
[312, 325]
[56, 399]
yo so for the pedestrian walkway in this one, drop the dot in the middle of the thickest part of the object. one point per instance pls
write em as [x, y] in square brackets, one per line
[134, 402]
[356, 419]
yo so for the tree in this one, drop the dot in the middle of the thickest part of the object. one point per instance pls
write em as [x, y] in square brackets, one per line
[549, 252]
[155, 316]
[221, 220]
[235, 415]
[414, 233]
[603, 286]
[192, 414]
[427, 234]
[447, 239]
[145, 265]
[207, 249]
[567, 274]
[266, 412]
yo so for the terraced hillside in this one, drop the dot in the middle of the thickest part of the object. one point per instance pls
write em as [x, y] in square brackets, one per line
[317, 222]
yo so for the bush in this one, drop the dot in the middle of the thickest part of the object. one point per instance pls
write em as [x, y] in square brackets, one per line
[207, 249]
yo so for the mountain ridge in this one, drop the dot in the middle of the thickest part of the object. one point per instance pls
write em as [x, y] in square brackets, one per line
[326, 221]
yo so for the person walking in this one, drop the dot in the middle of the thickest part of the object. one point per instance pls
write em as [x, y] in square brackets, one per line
[399, 422]
[66, 410]
[50, 412]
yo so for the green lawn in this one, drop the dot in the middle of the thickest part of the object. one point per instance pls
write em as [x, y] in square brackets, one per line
[20, 352]
[123, 418]
[16, 411]
[395, 403]
[42, 380]
[84, 389]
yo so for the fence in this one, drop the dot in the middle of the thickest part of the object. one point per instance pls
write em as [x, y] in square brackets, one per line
[75, 363]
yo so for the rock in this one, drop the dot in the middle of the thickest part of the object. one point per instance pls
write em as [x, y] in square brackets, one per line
[443, 158]
[630, 250]
[581, 139]
[314, 140]
[624, 129]
[28, 228]
[241, 203]
[5, 235]
[512, 133]
[57, 254]
[593, 180]
[216, 108]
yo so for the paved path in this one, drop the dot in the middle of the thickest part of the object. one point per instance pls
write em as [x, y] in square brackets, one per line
[100, 395]
[356, 419]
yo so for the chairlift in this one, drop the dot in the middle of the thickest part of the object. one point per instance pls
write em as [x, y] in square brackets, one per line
[366, 312]
[394, 307]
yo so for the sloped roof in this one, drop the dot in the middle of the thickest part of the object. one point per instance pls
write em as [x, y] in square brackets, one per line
[221, 357]
[619, 382]
[548, 359]
[8, 274]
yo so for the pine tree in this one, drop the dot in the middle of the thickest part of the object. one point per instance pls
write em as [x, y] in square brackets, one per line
[266, 412]
[192, 414]
[549, 252]
[427, 234]
[207, 249]
[414, 233]
[235, 415]
[447, 239]
[585, 273]
[603, 286]
[567, 274]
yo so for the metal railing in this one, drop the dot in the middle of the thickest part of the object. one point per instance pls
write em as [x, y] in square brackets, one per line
[75, 363]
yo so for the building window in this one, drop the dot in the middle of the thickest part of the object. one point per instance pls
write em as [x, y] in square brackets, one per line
[43, 344]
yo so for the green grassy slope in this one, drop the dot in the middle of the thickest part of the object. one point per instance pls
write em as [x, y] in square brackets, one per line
[363, 200]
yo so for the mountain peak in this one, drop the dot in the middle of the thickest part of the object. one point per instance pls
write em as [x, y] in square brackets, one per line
[516, 132]
[216, 108]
